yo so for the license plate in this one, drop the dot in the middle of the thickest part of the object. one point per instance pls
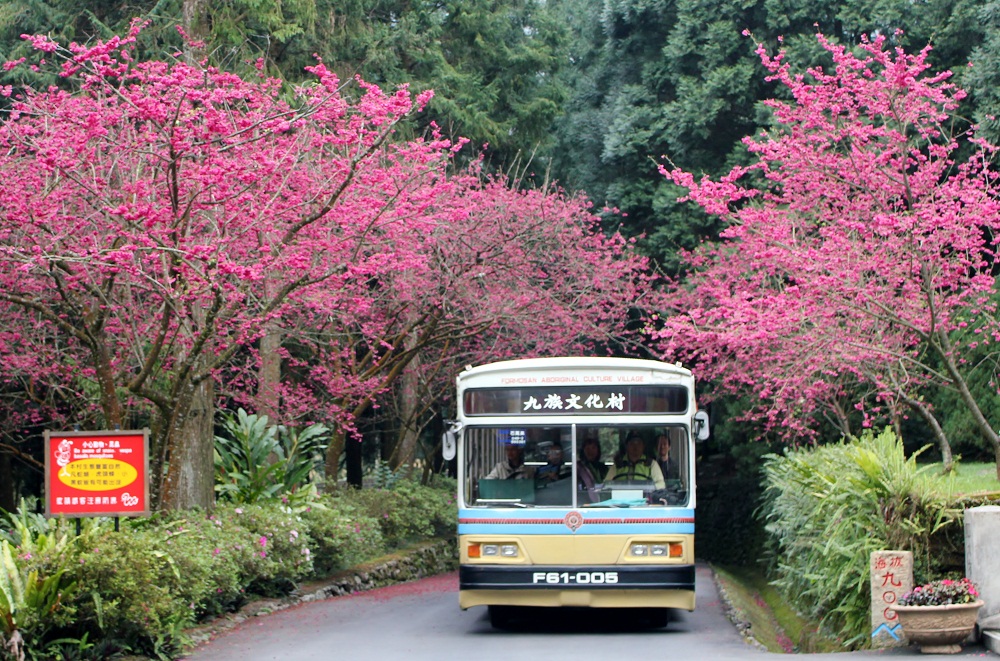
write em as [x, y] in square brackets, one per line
[575, 578]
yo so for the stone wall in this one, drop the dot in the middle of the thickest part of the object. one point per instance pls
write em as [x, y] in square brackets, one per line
[427, 559]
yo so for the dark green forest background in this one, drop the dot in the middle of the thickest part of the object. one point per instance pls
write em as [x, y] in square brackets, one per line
[589, 94]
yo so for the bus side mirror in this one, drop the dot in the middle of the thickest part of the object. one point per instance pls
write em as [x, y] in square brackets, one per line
[701, 425]
[449, 445]
[449, 439]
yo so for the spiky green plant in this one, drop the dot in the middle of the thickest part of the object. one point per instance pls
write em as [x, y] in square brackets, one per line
[828, 508]
[255, 461]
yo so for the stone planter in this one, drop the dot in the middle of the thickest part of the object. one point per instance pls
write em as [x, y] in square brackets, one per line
[938, 629]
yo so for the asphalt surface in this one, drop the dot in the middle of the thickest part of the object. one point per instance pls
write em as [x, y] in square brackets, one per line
[422, 621]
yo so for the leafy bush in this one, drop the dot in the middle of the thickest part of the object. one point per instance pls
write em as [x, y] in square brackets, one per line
[407, 512]
[36, 583]
[256, 462]
[129, 592]
[214, 556]
[342, 537]
[828, 508]
[276, 552]
[105, 593]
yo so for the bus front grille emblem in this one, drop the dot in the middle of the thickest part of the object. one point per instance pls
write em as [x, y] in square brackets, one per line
[573, 521]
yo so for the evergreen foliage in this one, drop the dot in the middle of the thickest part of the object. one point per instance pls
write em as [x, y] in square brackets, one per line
[653, 79]
[828, 508]
[255, 461]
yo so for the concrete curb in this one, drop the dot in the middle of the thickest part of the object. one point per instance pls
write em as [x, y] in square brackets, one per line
[991, 641]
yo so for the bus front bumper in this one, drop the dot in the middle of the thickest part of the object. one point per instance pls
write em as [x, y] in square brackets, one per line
[613, 586]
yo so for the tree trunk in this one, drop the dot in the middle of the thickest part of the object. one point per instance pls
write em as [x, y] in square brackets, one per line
[409, 416]
[269, 376]
[194, 15]
[924, 411]
[940, 343]
[333, 452]
[104, 374]
[8, 498]
[355, 470]
[190, 475]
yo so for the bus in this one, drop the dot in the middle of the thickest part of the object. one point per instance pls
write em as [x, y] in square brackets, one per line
[562, 498]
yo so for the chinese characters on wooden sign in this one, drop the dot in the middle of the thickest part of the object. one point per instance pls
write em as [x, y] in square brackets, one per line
[891, 577]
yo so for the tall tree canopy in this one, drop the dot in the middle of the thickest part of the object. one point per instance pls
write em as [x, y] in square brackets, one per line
[866, 250]
[166, 228]
[491, 64]
[650, 78]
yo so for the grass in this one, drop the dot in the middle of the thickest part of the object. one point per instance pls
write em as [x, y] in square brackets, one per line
[771, 622]
[973, 478]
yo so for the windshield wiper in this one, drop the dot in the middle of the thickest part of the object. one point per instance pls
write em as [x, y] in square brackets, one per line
[514, 502]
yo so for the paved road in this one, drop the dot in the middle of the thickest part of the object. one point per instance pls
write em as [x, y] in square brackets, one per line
[421, 621]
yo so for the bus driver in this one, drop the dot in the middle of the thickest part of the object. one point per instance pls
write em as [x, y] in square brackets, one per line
[635, 466]
[511, 468]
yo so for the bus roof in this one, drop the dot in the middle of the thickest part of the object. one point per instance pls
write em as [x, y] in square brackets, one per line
[574, 364]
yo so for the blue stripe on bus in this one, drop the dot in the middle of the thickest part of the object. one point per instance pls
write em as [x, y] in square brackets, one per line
[590, 529]
[560, 521]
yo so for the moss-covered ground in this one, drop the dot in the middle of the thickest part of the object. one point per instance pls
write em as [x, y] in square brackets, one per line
[763, 614]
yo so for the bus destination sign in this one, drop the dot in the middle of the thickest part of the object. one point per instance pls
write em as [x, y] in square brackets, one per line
[578, 400]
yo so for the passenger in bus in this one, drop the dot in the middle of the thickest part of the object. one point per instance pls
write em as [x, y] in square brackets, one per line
[668, 464]
[554, 469]
[590, 470]
[511, 468]
[635, 466]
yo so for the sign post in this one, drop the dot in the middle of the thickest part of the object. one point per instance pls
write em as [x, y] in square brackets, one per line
[100, 473]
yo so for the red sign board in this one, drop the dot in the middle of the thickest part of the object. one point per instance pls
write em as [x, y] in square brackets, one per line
[101, 473]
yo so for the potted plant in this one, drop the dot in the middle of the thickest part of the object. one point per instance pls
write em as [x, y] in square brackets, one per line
[938, 616]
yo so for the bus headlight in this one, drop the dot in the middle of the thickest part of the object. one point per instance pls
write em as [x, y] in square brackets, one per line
[480, 550]
[645, 550]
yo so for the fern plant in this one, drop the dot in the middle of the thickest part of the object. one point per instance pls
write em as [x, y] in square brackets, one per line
[35, 586]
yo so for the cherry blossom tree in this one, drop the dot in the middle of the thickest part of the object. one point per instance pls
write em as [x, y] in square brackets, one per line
[171, 234]
[158, 216]
[505, 272]
[858, 245]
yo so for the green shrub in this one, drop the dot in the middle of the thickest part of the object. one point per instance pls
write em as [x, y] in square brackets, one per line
[105, 593]
[256, 462]
[342, 537]
[128, 592]
[276, 553]
[829, 507]
[36, 582]
[407, 512]
[215, 558]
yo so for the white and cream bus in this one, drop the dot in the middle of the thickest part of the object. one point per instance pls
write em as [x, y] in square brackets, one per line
[565, 498]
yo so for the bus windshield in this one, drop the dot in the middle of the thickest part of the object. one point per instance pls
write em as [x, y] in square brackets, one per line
[601, 465]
